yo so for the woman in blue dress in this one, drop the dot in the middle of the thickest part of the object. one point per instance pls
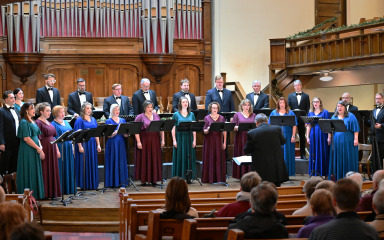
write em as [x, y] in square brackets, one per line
[116, 166]
[318, 141]
[87, 150]
[184, 155]
[345, 156]
[19, 96]
[289, 132]
[66, 151]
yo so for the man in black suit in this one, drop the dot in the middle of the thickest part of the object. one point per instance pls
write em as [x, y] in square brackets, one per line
[184, 85]
[264, 143]
[221, 95]
[300, 100]
[143, 94]
[77, 98]
[347, 99]
[9, 143]
[117, 98]
[258, 99]
[378, 115]
[48, 93]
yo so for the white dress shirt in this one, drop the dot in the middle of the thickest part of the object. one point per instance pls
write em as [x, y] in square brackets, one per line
[14, 114]
[50, 93]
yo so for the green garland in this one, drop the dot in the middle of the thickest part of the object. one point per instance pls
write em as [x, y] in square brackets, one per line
[308, 33]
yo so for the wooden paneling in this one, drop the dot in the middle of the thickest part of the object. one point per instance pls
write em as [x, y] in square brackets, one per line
[325, 9]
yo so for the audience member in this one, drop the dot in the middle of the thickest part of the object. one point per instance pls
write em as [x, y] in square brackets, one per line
[381, 184]
[357, 177]
[2, 194]
[308, 189]
[322, 211]
[365, 203]
[261, 223]
[242, 204]
[347, 224]
[28, 231]
[325, 184]
[11, 215]
[378, 207]
[177, 202]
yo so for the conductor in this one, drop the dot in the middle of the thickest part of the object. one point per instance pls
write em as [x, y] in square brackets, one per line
[264, 143]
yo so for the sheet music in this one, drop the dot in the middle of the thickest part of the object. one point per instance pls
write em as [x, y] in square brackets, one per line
[242, 160]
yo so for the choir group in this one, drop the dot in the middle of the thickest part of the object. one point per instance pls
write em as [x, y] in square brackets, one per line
[26, 133]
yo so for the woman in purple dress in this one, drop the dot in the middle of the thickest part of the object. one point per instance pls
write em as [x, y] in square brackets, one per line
[245, 115]
[318, 141]
[148, 148]
[50, 167]
[213, 148]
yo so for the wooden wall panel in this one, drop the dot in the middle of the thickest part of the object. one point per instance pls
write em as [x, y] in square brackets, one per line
[325, 9]
[191, 72]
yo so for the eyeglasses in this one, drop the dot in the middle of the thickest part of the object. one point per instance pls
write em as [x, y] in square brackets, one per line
[50, 80]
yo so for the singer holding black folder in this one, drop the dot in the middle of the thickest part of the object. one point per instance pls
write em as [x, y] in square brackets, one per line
[61, 127]
[184, 157]
[245, 115]
[213, 148]
[282, 109]
[116, 168]
[345, 157]
[148, 147]
[89, 150]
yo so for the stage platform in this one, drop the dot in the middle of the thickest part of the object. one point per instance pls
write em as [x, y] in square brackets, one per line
[100, 212]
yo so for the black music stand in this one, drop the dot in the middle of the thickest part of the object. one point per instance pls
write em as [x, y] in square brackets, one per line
[165, 115]
[104, 130]
[332, 126]
[312, 120]
[61, 140]
[266, 111]
[287, 120]
[128, 118]
[161, 126]
[245, 127]
[97, 114]
[227, 115]
[222, 127]
[191, 127]
[200, 114]
[129, 129]
[362, 116]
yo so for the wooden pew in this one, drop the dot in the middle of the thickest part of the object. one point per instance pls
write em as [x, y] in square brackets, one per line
[299, 219]
[157, 228]
[205, 228]
[22, 199]
[236, 234]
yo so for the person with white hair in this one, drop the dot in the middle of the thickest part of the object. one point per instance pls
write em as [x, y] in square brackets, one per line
[258, 99]
[357, 177]
[365, 203]
[144, 93]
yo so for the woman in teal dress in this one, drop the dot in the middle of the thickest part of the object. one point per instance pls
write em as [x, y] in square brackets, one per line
[66, 151]
[345, 156]
[19, 96]
[29, 171]
[289, 132]
[184, 155]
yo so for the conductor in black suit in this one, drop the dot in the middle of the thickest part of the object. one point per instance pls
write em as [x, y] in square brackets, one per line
[48, 93]
[378, 115]
[300, 100]
[264, 143]
[116, 98]
[347, 99]
[258, 99]
[143, 94]
[9, 143]
[184, 85]
[77, 98]
[221, 95]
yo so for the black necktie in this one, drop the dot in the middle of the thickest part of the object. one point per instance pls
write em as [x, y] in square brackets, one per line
[118, 98]
[220, 90]
[186, 93]
[50, 89]
[298, 94]
[81, 93]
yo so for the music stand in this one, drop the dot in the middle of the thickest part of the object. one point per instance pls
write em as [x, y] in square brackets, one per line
[191, 127]
[266, 111]
[165, 115]
[287, 120]
[222, 127]
[104, 130]
[227, 115]
[61, 140]
[200, 114]
[129, 129]
[363, 116]
[128, 118]
[161, 126]
[312, 120]
[332, 126]
[97, 114]
[245, 127]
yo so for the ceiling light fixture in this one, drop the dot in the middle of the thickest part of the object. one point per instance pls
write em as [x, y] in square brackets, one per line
[326, 77]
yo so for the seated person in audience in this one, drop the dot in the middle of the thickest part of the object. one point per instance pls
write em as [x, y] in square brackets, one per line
[322, 211]
[308, 189]
[28, 231]
[365, 203]
[177, 202]
[11, 215]
[2, 194]
[357, 177]
[347, 224]
[261, 223]
[378, 207]
[242, 204]
[325, 184]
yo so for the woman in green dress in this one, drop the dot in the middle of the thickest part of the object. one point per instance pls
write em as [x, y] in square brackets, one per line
[184, 155]
[29, 171]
